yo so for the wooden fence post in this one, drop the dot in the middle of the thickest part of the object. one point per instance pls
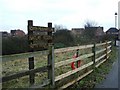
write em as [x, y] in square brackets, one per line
[94, 54]
[31, 59]
[106, 45]
[77, 53]
[51, 75]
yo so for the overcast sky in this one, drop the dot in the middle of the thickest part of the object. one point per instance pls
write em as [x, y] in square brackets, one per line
[69, 13]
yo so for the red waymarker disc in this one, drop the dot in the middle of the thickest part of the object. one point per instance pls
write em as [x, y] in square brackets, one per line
[73, 63]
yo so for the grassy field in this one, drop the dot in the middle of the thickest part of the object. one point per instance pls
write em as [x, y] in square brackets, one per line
[11, 67]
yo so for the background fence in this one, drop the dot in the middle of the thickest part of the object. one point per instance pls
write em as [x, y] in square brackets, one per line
[54, 65]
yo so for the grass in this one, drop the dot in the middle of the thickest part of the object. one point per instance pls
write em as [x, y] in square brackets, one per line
[98, 74]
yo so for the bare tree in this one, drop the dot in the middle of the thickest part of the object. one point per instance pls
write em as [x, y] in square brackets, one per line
[59, 27]
[90, 23]
[90, 31]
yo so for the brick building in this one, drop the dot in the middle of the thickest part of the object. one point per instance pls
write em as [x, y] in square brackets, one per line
[77, 31]
[98, 30]
[18, 32]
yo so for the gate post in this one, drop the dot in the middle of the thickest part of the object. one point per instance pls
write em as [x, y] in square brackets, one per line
[51, 75]
[31, 59]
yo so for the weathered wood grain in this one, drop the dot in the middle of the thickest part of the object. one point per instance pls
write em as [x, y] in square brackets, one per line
[101, 62]
[72, 71]
[79, 78]
[102, 50]
[100, 57]
[65, 62]
[101, 44]
[23, 73]
[72, 48]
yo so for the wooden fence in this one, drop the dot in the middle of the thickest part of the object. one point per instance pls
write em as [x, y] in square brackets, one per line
[98, 57]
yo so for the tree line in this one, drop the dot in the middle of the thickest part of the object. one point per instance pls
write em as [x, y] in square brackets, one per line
[62, 38]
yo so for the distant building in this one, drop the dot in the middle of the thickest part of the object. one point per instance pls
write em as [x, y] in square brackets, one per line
[77, 31]
[112, 31]
[18, 33]
[4, 34]
[98, 30]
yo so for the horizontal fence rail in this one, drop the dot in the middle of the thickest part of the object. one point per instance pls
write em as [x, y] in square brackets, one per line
[82, 76]
[72, 72]
[23, 55]
[73, 60]
[24, 73]
[72, 48]
[99, 54]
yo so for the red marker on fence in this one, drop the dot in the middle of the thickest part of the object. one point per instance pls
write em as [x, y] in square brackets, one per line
[73, 63]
